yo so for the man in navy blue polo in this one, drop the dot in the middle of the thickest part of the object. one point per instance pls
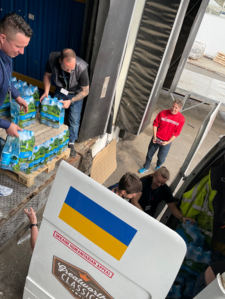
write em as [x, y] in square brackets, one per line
[15, 35]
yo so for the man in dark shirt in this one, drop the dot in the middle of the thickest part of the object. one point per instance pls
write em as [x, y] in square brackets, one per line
[15, 35]
[128, 187]
[70, 75]
[154, 191]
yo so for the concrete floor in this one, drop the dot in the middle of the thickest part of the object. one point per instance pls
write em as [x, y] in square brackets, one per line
[131, 151]
[208, 65]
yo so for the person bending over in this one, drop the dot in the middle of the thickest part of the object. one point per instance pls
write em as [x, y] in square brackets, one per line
[156, 190]
[128, 187]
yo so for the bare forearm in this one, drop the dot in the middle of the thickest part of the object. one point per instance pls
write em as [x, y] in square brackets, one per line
[81, 95]
[33, 238]
[171, 139]
[135, 200]
[174, 210]
[154, 131]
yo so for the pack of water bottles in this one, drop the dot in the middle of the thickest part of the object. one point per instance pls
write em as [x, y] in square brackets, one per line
[16, 151]
[196, 261]
[27, 91]
[52, 112]
[31, 91]
[21, 118]
[5, 108]
[27, 141]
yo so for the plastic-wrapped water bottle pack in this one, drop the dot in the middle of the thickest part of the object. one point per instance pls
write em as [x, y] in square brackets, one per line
[17, 150]
[21, 118]
[26, 90]
[5, 109]
[52, 113]
[196, 261]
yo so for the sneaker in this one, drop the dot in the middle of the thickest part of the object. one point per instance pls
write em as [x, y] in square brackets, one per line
[72, 150]
[142, 170]
[157, 167]
[5, 191]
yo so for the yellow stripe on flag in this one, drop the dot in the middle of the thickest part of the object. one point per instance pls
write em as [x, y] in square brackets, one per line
[92, 232]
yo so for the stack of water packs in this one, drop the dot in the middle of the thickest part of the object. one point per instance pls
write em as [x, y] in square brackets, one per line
[21, 118]
[48, 150]
[196, 261]
[21, 154]
[52, 113]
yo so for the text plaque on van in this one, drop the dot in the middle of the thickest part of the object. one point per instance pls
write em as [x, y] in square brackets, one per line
[104, 88]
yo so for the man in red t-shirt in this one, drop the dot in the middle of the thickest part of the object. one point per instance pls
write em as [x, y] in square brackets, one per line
[166, 127]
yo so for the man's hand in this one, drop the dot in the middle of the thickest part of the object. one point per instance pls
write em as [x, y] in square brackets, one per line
[22, 103]
[66, 103]
[184, 219]
[45, 95]
[154, 139]
[31, 215]
[165, 142]
[12, 130]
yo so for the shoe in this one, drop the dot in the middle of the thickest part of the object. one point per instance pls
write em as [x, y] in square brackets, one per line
[157, 167]
[72, 150]
[5, 191]
[142, 170]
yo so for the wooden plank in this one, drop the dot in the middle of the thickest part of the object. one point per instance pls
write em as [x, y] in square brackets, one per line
[28, 179]
[32, 81]
[104, 163]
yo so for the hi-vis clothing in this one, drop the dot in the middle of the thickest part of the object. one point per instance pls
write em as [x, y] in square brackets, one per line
[198, 204]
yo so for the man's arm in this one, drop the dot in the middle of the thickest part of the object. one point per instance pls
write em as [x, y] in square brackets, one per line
[47, 85]
[174, 210]
[170, 140]
[34, 229]
[82, 94]
[154, 133]
[135, 200]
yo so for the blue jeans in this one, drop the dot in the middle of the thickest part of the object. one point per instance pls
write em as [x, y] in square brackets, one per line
[162, 153]
[74, 114]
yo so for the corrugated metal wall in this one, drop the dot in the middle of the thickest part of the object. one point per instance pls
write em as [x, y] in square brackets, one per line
[57, 24]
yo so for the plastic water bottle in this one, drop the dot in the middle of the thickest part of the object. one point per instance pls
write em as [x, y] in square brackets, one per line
[175, 292]
[190, 287]
[193, 231]
[10, 153]
[181, 232]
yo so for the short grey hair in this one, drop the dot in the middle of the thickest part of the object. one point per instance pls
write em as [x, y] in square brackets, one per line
[178, 102]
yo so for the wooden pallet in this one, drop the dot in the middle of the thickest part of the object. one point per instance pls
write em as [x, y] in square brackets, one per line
[28, 179]
[220, 58]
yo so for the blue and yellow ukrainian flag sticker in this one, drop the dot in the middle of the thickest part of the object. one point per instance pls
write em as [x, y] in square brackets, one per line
[98, 225]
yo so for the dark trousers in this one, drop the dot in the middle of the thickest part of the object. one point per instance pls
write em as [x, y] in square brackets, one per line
[162, 153]
[74, 114]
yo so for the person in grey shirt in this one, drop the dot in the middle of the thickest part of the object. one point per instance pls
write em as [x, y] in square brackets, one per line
[70, 75]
